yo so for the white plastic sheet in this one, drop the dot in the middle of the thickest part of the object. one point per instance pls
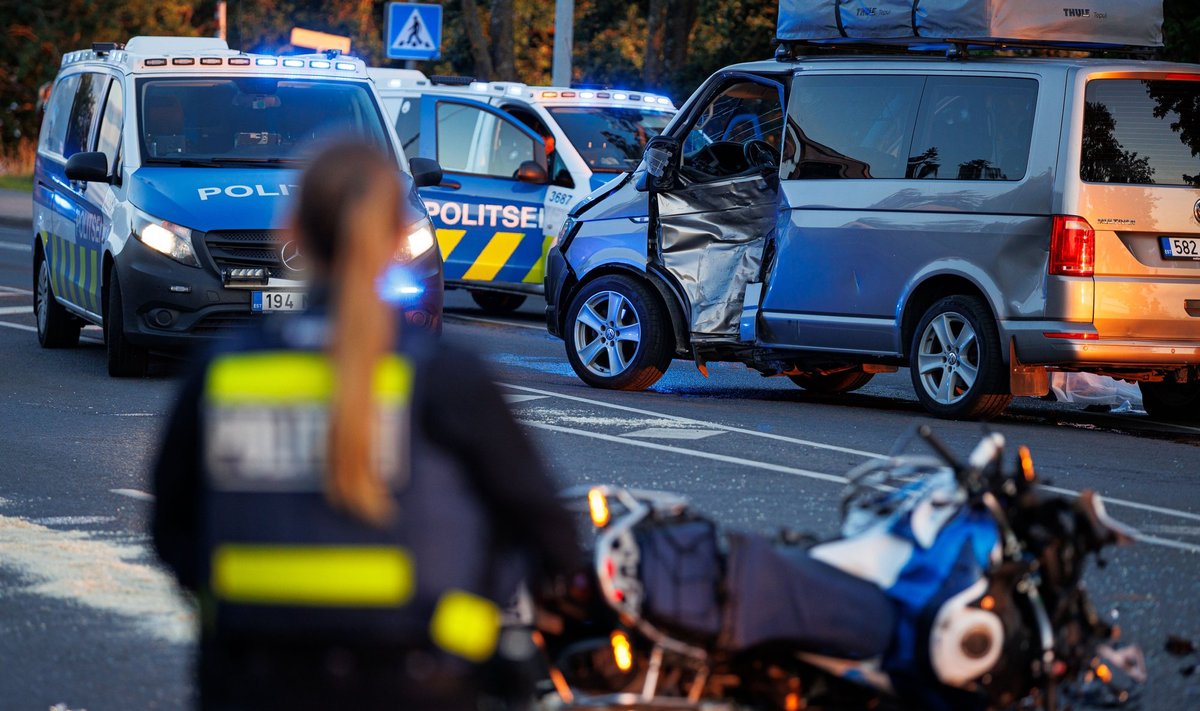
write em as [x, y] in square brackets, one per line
[1088, 389]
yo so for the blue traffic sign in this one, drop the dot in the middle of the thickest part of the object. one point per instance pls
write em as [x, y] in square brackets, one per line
[412, 31]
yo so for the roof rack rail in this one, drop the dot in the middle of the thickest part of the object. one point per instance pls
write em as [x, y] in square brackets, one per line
[452, 80]
[791, 50]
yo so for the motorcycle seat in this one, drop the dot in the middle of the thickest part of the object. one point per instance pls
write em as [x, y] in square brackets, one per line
[783, 595]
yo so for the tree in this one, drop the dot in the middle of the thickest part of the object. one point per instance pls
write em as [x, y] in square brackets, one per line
[1105, 160]
[504, 63]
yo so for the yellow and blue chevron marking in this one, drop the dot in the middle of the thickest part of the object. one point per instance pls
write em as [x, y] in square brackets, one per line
[502, 256]
[74, 271]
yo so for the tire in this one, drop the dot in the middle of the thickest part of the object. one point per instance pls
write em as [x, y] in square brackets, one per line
[125, 360]
[1173, 402]
[957, 362]
[56, 327]
[496, 303]
[843, 381]
[618, 321]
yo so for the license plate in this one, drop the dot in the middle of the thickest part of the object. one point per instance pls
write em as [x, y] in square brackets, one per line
[268, 301]
[1180, 248]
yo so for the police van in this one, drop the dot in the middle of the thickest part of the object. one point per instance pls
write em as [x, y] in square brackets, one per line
[164, 171]
[515, 157]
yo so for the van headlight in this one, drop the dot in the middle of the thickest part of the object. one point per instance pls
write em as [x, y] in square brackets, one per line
[168, 238]
[418, 241]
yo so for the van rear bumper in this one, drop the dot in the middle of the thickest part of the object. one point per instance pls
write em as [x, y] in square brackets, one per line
[1034, 347]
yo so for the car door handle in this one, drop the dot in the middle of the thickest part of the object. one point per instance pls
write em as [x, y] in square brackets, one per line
[450, 185]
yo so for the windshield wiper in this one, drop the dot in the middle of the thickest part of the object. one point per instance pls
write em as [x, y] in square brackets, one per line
[219, 162]
[184, 162]
[256, 161]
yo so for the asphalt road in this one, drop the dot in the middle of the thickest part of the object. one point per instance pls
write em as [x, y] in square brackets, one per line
[88, 621]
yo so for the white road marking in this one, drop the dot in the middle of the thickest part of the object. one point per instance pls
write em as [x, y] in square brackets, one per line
[76, 568]
[10, 310]
[73, 520]
[18, 326]
[513, 398]
[497, 322]
[701, 423]
[672, 433]
[15, 247]
[15, 290]
[818, 445]
[133, 494]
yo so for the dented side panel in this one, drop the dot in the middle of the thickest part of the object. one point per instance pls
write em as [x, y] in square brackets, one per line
[711, 239]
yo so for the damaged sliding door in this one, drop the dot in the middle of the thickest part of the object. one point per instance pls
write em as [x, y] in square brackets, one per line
[714, 217]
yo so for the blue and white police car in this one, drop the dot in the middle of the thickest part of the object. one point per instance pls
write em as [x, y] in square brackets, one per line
[514, 159]
[163, 175]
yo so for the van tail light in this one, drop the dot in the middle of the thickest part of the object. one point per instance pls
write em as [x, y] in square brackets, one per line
[1072, 247]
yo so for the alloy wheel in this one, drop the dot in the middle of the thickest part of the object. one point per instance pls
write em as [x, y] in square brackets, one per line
[43, 296]
[948, 358]
[607, 334]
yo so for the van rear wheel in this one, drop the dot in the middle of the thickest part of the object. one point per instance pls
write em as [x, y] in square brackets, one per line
[1174, 402]
[956, 361]
[842, 381]
[56, 327]
[497, 304]
[618, 335]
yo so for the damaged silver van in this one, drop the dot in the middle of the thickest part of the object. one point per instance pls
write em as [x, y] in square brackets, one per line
[982, 221]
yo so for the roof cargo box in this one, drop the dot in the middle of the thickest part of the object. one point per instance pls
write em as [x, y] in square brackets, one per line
[1136, 23]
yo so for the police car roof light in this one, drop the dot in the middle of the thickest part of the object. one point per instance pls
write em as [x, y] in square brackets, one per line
[319, 64]
[293, 63]
[568, 95]
[516, 90]
[266, 61]
[549, 94]
[620, 97]
[664, 101]
[346, 66]
[587, 94]
[239, 61]
[479, 86]
[156, 62]
[210, 61]
[183, 61]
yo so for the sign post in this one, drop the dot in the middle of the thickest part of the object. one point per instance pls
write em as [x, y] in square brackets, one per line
[412, 31]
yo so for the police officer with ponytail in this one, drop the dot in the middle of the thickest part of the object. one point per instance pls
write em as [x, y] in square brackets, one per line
[350, 503]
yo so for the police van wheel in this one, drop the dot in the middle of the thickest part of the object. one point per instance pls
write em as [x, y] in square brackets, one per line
[56, 327]
[1174, 402]
[125, 360]
[843, 381]
[956, 361]
[618, 335]
[495, 303]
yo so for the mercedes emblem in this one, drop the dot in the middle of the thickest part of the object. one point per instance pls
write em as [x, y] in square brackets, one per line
[290, 254]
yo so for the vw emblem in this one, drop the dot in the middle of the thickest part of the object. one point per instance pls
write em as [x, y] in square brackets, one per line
[290, 254]
[1196, 211]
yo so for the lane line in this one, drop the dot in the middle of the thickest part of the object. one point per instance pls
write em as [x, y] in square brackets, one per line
[779, 468]
[15, 290]
[18, 326]
[133, 494]
[13, 310]
[818, 445]
[16, 247]
[703, 423]
[459, 317]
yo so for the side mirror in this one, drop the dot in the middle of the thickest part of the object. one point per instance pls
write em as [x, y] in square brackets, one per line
[90, 167]
[425, 172]
[532, 172]
[662, 153]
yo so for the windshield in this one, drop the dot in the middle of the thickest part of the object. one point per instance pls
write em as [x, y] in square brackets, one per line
[251, 120]
[1142, 132]
[611, 140]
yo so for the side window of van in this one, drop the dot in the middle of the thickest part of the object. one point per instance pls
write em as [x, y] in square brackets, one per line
[408, 123]
[108, 138]
[974, 128]
[471, 140]
[58, 111]
[853, 127]
[83, 113]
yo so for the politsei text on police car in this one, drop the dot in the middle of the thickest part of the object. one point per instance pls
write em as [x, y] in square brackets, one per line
[484, 214]
[244, 191]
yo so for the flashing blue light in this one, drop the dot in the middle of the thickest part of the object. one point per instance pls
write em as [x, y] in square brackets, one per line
[664, 101]
[319, 64]
[266, 62]
[346, 66]
[397, 286]
[620, 97]
[293, 63]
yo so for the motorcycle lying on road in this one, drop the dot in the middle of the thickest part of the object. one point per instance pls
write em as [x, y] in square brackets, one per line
[952, 585]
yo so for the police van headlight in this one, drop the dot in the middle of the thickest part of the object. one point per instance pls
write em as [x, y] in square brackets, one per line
[168, 238]
[418, 241]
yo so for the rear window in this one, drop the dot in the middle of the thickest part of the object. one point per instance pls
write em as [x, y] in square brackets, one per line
[1141, 132]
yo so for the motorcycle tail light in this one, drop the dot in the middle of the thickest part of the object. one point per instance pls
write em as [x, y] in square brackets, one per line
[1026, 463]
[598, 505]
[622, 652]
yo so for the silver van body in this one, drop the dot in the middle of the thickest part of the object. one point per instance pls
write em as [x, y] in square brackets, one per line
[1052, 246]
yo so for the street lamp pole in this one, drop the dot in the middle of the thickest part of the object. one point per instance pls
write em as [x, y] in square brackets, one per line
[564, 28]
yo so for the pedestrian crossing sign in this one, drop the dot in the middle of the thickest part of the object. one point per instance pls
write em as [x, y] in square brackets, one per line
[413, 31]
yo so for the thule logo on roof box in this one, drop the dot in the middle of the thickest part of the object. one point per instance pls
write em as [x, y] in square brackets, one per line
[1077, 12]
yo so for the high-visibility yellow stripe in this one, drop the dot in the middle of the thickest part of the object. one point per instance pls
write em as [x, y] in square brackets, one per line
[351, 576]
[295, 377]
[466, 625]
[494, 256]
[448, 240]
[94, 280]
[538, 271]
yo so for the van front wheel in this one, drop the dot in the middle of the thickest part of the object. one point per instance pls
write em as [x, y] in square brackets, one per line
[1174, 402]
[617, 335]
[957, 362]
